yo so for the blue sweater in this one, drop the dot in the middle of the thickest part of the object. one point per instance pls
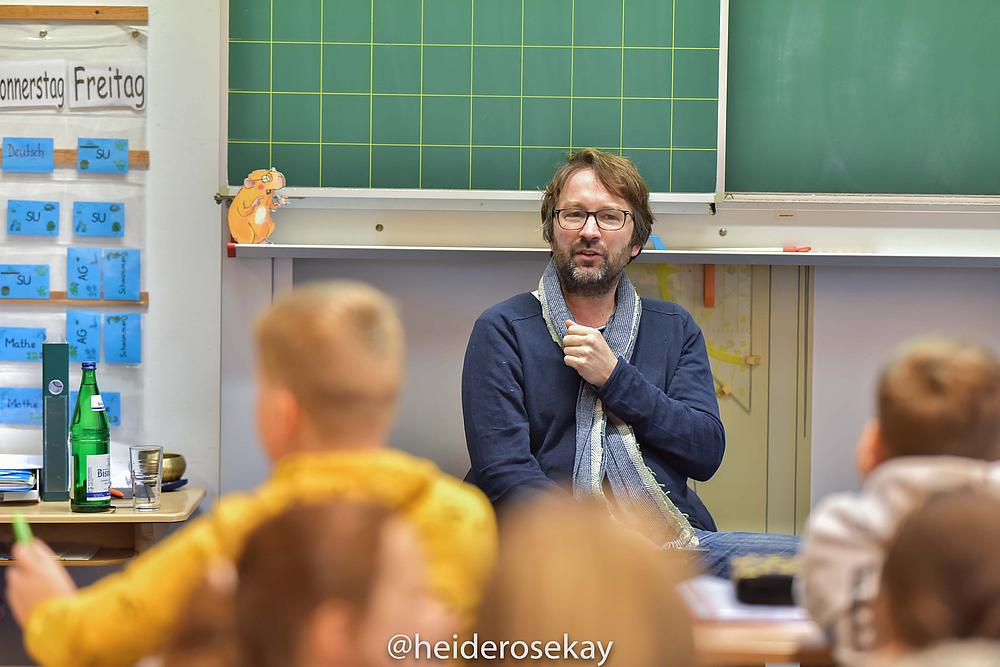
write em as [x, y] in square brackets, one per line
[519, 403]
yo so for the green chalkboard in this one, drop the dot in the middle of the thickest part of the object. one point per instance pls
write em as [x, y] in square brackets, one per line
[866, 96]
[466, 94]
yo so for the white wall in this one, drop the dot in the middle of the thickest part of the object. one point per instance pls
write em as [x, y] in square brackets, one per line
[181, 404]
[860, 317]
[248, 287]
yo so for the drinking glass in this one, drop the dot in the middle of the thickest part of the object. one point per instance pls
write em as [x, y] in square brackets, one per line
[146, 469]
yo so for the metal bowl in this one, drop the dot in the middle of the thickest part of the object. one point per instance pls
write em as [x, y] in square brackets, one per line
[174, 466]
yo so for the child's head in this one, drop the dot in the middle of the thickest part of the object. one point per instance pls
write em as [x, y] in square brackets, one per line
[937, 397]
[330, 365]
[566, 567]
[329, 584]
[941, 576]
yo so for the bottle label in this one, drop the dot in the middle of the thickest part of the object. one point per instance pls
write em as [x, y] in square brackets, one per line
[97, 403]
[99, 477]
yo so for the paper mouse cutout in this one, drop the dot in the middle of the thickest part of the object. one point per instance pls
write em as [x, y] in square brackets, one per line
[250, 213]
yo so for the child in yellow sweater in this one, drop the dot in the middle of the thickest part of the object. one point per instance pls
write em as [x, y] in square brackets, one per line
[330, 360]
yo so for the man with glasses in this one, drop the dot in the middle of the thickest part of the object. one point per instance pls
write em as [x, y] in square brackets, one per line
[582, 385]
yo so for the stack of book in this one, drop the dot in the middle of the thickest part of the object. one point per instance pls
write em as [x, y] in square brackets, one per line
[19, 477]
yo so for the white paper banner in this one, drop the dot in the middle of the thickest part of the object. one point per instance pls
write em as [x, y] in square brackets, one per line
[121, 84]
[32, 83]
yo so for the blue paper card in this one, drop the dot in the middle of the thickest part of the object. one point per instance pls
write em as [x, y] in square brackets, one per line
[83, 333]
[112, 406]
[20, 405]
[24, 281]
[102, 156]
[21, 343]
[99, 218]
[32, 218]
[29, 155]
[123, 338]
[83, 273]
[121, 275]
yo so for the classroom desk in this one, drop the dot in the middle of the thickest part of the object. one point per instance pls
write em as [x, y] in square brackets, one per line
[728, 633]
[120, 534]
[745, 643]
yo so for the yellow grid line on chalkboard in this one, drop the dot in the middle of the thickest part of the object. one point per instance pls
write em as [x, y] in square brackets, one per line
[673, 60]
[420, 119]
[478, 95]
[270, 85]
[621, 89]
[477, 113]
[322, 4]
[426, 145]
[520, 112]
[572, 65]
[371, 94]
[472, 77]
[491, 46]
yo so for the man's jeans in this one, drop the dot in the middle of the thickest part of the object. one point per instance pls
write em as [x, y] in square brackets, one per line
[722, 546]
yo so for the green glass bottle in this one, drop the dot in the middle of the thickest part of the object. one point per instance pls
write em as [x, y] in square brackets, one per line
[90, 442]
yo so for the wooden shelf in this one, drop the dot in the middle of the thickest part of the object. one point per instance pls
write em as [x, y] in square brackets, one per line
[66, 157]
[175, 506]
[61, 299]
[119, 534]
[103, 558]
[91, 13]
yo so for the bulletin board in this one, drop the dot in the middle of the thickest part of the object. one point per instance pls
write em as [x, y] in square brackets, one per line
[73, 95]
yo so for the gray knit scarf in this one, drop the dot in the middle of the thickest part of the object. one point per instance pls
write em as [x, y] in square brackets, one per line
[613, 453]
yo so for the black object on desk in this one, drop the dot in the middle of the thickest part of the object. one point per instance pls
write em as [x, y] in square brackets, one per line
[764, 579]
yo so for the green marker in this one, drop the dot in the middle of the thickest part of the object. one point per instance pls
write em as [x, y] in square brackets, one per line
[22, 531]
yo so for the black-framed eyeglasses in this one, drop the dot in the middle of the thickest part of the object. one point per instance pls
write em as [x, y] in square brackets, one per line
[608, 219]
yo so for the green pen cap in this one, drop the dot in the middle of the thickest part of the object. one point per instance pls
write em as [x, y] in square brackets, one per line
[22, 531]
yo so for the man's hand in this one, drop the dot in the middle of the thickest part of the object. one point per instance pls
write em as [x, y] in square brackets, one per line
[586, 351]
[34, 576]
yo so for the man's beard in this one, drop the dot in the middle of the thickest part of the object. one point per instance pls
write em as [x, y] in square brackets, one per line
[595, 280]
